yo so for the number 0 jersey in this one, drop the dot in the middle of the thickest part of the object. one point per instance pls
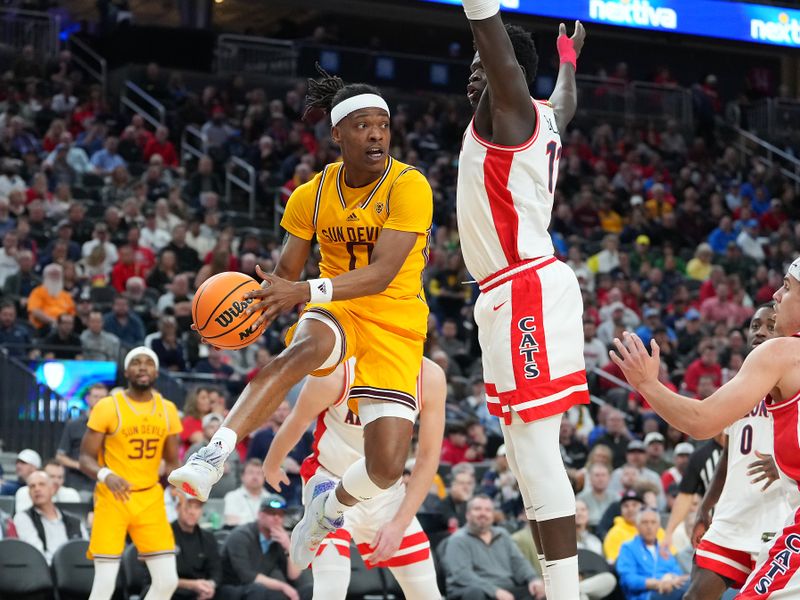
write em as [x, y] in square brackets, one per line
[744, 513]
[135, 433]
[505, 196]
[348, 221]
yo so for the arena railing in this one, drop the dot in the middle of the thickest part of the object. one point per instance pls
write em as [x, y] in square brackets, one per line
[19, 28]
[251, 54]
[752, 146]
[192, 144]
[136, 99]
[247, 183]
[774, 118]
[89, 61]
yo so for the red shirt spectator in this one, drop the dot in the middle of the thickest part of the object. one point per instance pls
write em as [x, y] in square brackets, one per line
[705, 365]
[160, 144]
[126, 267]
[455, 448]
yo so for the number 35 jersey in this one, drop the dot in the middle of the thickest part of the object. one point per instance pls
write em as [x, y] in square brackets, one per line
[135, 433]
[348, 222]
[744, 513]
[505, 196]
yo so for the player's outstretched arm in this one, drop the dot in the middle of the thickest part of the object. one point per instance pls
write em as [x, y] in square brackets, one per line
[760, 373]
[564, 98]
[513, 116]
[431, 432]
[318, 393]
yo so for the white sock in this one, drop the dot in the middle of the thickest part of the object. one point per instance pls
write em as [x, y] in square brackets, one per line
[226, 439]
[545, 576]
[334, 508]
[355, 482]
[163, 577]
[564, 580]
[105, 579]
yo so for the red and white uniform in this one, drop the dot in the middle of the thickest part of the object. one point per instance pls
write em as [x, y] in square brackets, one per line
[777, 574]
[744, 514]
[530, 310]
[338, 443]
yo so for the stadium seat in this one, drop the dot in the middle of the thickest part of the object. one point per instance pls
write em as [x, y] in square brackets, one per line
[77, 509]
[102, 297]
[221, 535]
[73, 573]
[134, 573]
[7, 504]
[23, 572]
[365, 584]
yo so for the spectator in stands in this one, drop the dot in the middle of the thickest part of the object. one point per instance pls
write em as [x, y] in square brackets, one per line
[167, 345]
[55, 471]
[501, 572]
[214, 364]
[106, 160]
[64, 234]
[124, 323]
[96, 343]
[453, 507]
[151, 235]
[636, 457]
[616, 436]
[198, 562]
[15, 338]
[161, 145]
[242, 504]
[178, 293]
[74, 156]
[230, 475]
[69, 446]
[126, 267]
[644, 572]
[8, 256]
[43, 525]
[27, 462]
[607, 259]
[62, 342]
[196, 406]
[654, 447]
[456, 447]
[49, 300]
[188, 261]
[256, 555]
[595, 353]
[699, 268]
[204, 180]
[573, 450]
[101, 238]
[674, 474]
[596, 496]
[216, 132]
[706, 364]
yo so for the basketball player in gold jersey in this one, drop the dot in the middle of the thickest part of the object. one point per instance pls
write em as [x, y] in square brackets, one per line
[371, 215]
[127, 435]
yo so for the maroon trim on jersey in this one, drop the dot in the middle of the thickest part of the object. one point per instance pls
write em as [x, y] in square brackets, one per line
[523, 146]
[743, 559]
[779, 568]
[496, 170]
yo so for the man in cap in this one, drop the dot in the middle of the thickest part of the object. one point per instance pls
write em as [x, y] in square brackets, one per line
[636, 456]
[654, 448]
[256, 555]
[128, 434]
[27, 462]
[681, 455]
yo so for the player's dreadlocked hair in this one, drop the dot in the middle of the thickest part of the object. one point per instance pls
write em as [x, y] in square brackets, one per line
[326, 92]
[524, 50]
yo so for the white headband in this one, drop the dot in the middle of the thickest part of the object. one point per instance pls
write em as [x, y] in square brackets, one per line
[141, 350]
[794, 269]
[345, 107]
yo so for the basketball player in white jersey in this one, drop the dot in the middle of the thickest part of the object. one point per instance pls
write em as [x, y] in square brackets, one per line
[771, 371]
[744, 511]
[384, 528]
[529, 313]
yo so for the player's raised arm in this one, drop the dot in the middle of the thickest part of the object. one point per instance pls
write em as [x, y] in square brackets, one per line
[318, 393]
[513, 117]
[564, 98]
[761, 372]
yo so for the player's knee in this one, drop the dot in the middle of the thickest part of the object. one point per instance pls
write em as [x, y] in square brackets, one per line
[165, 585]
[385, 471]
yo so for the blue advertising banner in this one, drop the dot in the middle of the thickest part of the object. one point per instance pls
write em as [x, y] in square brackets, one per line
[755, 23]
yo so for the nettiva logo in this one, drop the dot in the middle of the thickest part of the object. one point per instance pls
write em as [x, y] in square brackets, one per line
[784, 30]
[633, 13]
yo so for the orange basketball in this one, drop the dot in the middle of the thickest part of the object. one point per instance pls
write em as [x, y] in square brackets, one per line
[218, 311]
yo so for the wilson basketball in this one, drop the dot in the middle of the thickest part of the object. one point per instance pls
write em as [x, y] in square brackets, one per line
[219, 311]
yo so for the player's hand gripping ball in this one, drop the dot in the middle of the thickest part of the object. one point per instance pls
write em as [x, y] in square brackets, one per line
[219, 311]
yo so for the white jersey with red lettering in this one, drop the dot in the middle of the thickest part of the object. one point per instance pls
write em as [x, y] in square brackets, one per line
[777, 574]
[744, 513]
[505, 196]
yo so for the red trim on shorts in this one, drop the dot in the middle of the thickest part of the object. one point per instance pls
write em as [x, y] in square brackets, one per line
[536, 391]
[493, 281]
[528, 331]
[781, 565]
[339, 534]
[365, 549]
[743, 559]
[496, 171]
[311, 463]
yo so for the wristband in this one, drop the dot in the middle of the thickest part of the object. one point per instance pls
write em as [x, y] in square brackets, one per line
[321, 290]
[566, 51]
[478, 10]
[103, 473]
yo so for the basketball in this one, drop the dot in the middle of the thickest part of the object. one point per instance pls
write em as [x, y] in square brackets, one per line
[218, 311]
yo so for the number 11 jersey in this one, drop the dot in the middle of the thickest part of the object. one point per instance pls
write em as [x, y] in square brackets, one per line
[505, 196]
[348, 222]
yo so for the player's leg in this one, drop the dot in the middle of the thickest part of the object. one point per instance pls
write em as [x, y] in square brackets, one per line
[106, 543]
[705, 585]
[318, 342]
[541, 471]
[717, 568]
[163, 577]
[105, 578]
[331, 568]
[152, 535]
[778, 574]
